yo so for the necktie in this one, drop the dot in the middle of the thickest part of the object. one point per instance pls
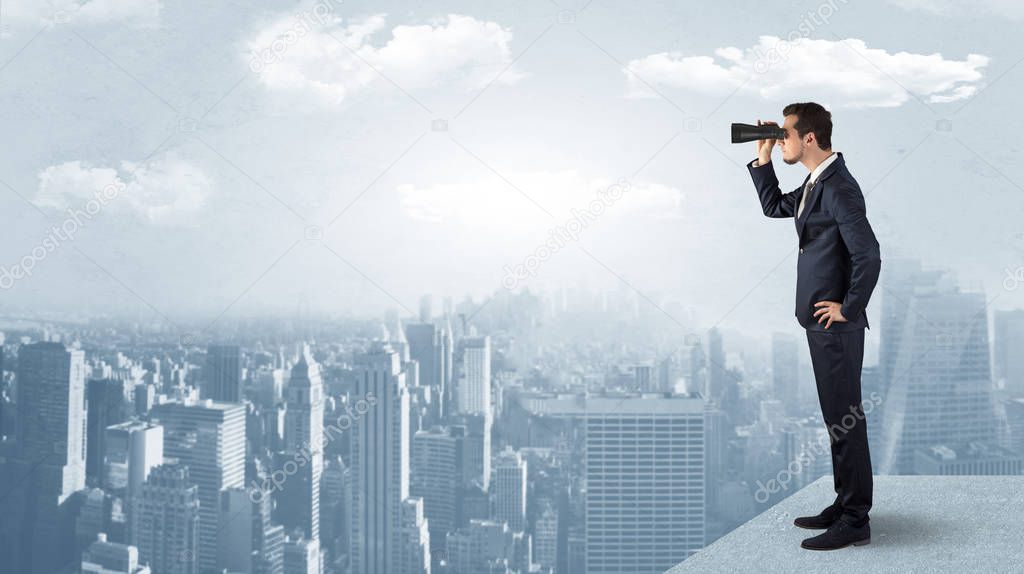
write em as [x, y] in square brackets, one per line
[803, 196]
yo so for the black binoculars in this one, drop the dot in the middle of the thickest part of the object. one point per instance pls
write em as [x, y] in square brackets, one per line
[748, 133]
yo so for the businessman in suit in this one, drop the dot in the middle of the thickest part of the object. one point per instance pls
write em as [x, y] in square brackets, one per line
[837, 269]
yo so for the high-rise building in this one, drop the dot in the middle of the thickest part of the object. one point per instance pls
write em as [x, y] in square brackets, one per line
[716, 435]
[474, 393]
[269, 386]
[303, 439]
[655, 440]
[301, 555]
[95, 516]
[427, 348]
[415, 539]
[223, 374]
[508, 489]
[426, 308]
[209, 438]
[380, 462]
[900, 279]
[722, 383]
[1009, 361]
[144, 396]
[105, 399]
[545, 538]
[268, 538]
[166, 527]
[334, 508]
[130, 450]
[1013, 432]
[643, 378]
[476, 458]
[236, 548]
[48, 462]
[447, 367]
[940, 390]
[52, 413]
[436, 476]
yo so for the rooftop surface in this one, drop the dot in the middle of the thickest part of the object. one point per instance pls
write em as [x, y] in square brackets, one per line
[918, 524]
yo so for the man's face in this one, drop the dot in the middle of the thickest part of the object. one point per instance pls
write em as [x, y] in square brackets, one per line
[793, 145]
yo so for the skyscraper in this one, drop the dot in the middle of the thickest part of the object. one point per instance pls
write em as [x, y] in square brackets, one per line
[474, 393]
[106, 405]
[131, 449]
[447, 366]
[415, 539]
[436, 476]
[432, 348]
[223, 374]
[301, 556]
[940, 390]
[380, 462]
[167, 525]
[36, 530]
[508, 489]
[476, 463]
[303, 437]
[209, 438]
[1009, 361]
[656, 441]
[268, 538]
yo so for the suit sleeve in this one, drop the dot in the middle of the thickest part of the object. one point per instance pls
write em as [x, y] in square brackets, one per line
[774, 203]
[848, 207]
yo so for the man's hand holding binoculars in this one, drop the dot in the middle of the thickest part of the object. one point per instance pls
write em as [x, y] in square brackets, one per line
[765, 146]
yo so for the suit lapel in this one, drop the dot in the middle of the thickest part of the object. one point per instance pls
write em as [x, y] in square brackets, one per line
[815, 191]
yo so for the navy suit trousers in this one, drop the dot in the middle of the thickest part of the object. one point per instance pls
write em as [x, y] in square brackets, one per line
[837, 358]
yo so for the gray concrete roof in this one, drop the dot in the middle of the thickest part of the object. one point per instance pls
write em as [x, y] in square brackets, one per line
[918, 524]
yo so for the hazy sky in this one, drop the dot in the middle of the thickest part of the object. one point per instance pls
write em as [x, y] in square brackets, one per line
[354, 155]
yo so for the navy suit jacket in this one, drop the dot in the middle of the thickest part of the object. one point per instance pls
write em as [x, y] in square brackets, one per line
[839, 256]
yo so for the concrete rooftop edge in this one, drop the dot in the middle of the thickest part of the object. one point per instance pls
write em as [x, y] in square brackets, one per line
[918, 524]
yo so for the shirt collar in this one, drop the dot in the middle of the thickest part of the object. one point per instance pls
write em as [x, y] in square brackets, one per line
[821, 166]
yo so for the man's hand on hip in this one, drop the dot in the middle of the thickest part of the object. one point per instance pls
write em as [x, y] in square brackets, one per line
[831, 310]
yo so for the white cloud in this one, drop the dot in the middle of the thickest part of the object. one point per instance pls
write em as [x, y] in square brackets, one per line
[1013, 9]
[838, 73]
[166, 190]
[313, 53]
[497, 205]
[140, 12]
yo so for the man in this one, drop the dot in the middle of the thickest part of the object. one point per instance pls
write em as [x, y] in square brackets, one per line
[837, 269]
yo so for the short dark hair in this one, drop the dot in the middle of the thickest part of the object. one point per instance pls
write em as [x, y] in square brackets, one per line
[812, 117]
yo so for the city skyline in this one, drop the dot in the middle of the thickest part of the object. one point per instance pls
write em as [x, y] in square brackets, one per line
[354, 287]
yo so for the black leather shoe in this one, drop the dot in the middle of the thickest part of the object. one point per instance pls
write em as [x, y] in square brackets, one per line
[839, 535]
[823, 520]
